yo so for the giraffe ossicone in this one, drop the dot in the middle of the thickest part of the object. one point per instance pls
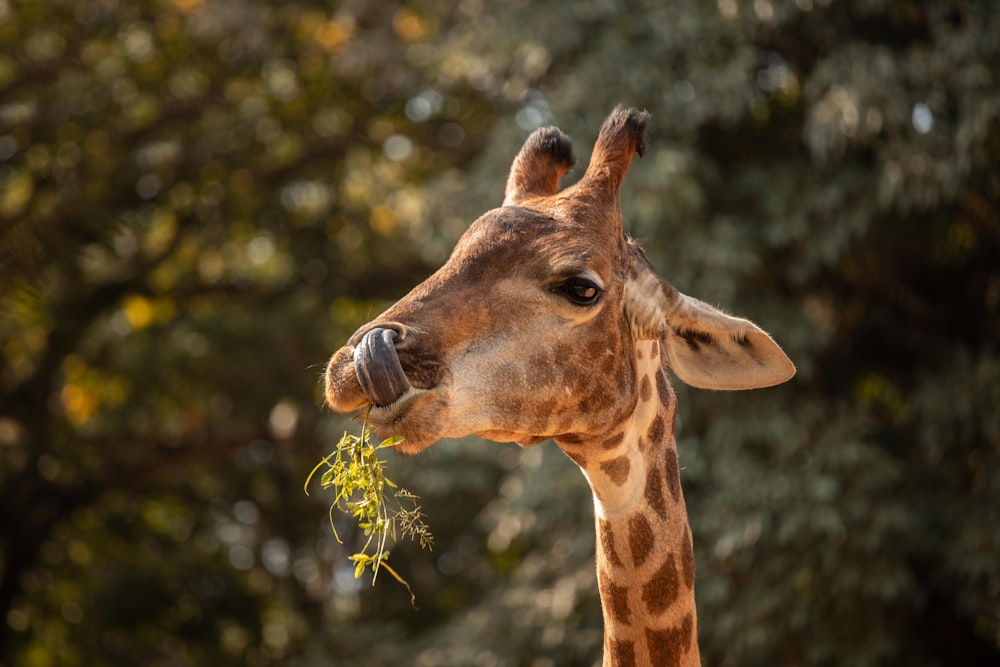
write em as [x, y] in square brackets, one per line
[547, 322]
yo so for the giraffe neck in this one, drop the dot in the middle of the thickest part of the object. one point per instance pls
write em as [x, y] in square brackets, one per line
[645, 561]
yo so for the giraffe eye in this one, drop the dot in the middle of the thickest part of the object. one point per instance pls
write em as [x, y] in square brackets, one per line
[581, 291]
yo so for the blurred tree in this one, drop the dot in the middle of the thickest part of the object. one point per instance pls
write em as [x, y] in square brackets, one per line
[200, 200]
[197, 199]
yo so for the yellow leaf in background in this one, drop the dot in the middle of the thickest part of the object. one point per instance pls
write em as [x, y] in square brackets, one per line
[408, 25]
[161, 232]
[335, 33]
[188, 6]
[382, 220]
[138, 312]
[80, 405]
[17, 193]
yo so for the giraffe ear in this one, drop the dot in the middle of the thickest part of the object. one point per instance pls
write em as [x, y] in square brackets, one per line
[544, 159]
[622, 135]
[708, 349]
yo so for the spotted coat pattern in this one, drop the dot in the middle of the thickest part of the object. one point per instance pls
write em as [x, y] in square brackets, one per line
[645, 559]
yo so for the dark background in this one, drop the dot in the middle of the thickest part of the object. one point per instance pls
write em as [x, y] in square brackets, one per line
[201, 199]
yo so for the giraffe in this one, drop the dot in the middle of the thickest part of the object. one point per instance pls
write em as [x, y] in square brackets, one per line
[547, 322]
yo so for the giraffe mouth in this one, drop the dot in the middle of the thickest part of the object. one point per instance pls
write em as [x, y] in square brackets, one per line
[377, 366]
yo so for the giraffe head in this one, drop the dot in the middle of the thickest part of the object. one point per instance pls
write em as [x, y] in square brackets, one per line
[529, 331]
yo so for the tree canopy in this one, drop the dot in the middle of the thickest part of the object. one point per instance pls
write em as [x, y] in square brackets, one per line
[201, 199]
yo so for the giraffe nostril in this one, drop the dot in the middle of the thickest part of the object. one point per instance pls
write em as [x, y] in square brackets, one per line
[377, 365]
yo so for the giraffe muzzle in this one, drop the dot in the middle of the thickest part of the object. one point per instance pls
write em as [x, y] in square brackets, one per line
[377, 365]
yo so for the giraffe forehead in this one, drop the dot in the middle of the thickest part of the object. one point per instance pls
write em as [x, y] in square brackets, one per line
[518, 240]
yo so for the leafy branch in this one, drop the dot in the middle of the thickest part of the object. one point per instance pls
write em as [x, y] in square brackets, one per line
[383, 509]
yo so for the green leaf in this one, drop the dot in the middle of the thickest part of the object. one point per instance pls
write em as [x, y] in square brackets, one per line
[359, 568]
[358, 477]
[394, 441]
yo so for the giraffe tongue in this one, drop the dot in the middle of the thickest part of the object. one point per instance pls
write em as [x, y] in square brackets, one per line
[378, 368]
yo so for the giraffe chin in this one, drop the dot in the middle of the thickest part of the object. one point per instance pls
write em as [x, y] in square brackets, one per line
[398, 419]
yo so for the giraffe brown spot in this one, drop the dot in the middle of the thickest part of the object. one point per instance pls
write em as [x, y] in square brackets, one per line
[664, 390]
[543, 359]
[622, 653]
[546, 407]
[687, 560]
[616, 469]
[608, 544]
[614, 599]
[687, 631]
[640, 539]
[613, 441]
[668, 647]
[510, 373]
[515, 404]
[654, 492]
[659, 592]
[655, 432]
[645, 389]
[669, 413]
[609, 364]
[673, 474]
[663, 648]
